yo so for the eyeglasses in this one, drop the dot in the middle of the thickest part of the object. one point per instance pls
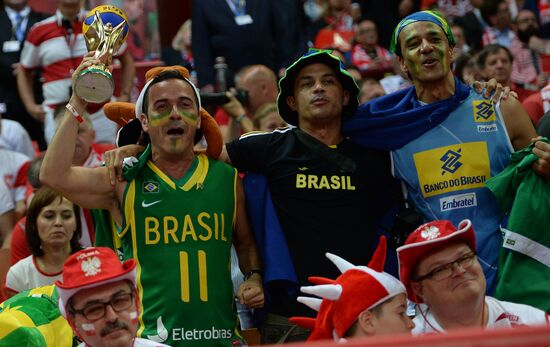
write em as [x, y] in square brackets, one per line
[97, 310]
[446, 270]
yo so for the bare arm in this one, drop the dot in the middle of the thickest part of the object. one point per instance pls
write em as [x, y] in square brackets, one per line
[86, 187]
[128, 73]
[25, 87]
[250, 291]
[518, 124]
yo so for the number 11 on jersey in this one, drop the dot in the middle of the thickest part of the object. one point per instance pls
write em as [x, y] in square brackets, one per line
[184, 276]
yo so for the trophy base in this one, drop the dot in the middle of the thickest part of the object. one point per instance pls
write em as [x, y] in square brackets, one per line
[94, 85]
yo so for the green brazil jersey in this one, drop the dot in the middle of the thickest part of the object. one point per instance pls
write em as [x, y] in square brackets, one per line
[180, 232]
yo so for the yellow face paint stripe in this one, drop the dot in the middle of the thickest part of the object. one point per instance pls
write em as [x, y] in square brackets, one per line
[161, 174]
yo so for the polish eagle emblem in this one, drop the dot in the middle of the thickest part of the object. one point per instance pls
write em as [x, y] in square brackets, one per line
[91, 266]
[430, 233]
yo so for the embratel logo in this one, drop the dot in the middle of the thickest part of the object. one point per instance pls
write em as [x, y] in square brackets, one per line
[465, 166]
[484, 111]
[450, 161]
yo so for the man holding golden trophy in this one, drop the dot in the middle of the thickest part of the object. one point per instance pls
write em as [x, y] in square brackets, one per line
[105, 29]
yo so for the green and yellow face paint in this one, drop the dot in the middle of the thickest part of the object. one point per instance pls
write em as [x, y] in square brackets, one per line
[162, 118]
[413, 37]
[422, 16]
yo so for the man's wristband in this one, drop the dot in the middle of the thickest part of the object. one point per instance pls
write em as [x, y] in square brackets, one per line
[75, 113]
[252, 272]
[240, 118]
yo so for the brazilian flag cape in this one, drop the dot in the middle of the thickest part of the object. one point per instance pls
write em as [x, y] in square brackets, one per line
[32, 319]
[524, 269]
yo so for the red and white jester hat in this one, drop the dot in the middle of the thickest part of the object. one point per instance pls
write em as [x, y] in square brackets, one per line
[357, 289]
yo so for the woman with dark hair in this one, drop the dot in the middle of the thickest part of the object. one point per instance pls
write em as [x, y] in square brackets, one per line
[52, 230]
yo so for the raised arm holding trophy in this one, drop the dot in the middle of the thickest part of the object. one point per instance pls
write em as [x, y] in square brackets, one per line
[105, 29]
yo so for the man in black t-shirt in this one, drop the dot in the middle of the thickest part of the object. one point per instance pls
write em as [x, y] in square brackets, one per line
[329, 194]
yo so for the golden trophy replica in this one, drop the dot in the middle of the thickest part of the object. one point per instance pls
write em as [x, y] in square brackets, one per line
[105, 29]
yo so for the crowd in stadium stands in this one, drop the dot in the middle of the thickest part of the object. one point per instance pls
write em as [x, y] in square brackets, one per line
[404, 140]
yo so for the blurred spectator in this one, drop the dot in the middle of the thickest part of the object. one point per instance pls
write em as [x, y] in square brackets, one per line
[495, 61]
[466, 68]
[15, 138]
[473, 25]
[180, 52]
[366, 54]
[55, 47]
[537, 104]
[13, 171]
[397, 81]
[336, 26]
[543, 127]
[338, 16]
[143, 40]
[499, 31]
[7, 212]
[290, 26]
[260, 85]
[16, 18]
[450, 9]
[243, 32]
[53, 230]
[527, 66]
[541, 8]
[460, 41]
[267, 118]
[370, 89]
[354, 72]
[385, 14]
[18, 244]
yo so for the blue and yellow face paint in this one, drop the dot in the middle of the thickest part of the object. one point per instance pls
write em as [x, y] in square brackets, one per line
[422, 16]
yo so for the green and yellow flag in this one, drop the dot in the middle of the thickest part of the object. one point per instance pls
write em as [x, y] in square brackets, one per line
[32, 319]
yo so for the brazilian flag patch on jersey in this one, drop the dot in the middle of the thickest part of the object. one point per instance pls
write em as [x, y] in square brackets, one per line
[150, 187]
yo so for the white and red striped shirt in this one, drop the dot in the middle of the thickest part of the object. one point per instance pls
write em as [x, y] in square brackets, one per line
[361, 59]
[57, 51]
[492, 35]
[13, 171]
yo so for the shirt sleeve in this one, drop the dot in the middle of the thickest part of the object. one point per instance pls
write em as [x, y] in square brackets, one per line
[249, 153]
[6, 202]
[30, 55]
[15, 278]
